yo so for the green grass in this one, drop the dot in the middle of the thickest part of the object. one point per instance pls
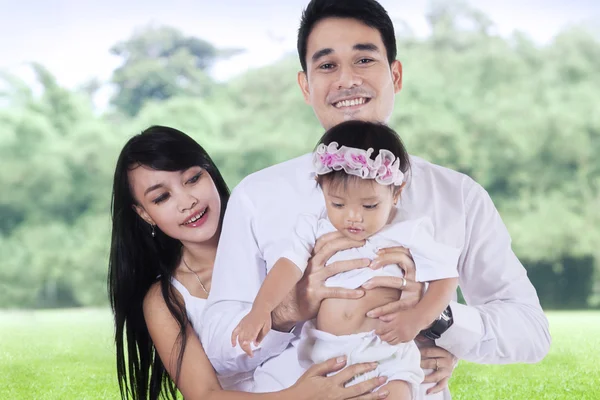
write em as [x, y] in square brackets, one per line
[59, 354]
[571, 370]
[69, 354]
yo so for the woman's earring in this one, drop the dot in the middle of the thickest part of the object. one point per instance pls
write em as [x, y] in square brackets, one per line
[153, 232]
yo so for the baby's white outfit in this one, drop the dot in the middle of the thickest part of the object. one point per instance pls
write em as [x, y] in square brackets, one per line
[433, 261]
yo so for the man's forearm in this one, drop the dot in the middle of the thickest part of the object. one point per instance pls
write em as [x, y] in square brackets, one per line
[286, 314]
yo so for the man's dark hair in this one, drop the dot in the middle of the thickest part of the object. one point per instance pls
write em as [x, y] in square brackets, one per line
[369, 12]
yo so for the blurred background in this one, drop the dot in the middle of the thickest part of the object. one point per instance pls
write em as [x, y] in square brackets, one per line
[506, 92]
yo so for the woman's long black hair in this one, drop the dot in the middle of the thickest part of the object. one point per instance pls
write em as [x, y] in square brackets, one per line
[138, 260]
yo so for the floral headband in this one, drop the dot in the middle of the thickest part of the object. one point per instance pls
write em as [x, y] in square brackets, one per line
[385, 169]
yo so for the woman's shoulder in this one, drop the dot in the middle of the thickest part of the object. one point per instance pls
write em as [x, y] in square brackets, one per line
[153, 298]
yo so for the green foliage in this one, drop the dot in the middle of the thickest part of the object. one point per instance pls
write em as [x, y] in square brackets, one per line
[519, 118]
[160, 63]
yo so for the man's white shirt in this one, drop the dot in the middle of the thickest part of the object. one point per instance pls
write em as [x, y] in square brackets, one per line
[502, 323]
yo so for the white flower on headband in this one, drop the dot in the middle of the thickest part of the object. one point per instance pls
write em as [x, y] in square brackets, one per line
[385, 169]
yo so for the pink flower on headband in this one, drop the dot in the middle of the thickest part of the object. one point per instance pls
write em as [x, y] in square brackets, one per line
[385, 169]
[357, 161]
[328, 159]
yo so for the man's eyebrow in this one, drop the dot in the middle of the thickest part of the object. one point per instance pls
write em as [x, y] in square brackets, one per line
[366, 47]
[357, 47]
[321, 53]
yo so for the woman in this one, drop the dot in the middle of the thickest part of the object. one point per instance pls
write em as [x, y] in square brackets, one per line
[168, 204]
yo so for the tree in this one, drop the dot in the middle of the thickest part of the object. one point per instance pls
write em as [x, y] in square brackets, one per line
[158, 63]
[519, 118]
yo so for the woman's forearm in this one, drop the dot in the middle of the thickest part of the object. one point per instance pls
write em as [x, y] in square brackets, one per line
[291, 394]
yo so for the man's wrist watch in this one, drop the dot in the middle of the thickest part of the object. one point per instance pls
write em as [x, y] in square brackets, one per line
[440, 325]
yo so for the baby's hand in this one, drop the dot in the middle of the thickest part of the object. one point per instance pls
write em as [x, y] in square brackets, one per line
[251, 329]
[400, 327]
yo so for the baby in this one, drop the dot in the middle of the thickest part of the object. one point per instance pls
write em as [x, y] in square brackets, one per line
[360, 168]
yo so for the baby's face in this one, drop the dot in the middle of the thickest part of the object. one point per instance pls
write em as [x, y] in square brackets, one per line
[360, 208]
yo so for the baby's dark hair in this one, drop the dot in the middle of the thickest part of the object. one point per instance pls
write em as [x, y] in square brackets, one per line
[363, 135]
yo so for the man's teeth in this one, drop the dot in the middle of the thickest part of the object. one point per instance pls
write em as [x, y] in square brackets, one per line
[196, 218]
[350, 103]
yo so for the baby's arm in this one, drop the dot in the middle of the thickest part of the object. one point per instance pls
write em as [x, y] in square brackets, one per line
[278, 283]
[434, 301]
[257, 323]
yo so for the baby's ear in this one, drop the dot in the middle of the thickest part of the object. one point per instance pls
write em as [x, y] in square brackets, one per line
[398, 192]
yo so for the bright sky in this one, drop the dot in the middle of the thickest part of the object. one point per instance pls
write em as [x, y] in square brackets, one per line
[72, 37]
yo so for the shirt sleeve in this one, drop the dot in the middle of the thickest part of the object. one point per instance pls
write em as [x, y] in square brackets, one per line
[237, 276]
[303, 241]
[433, 260]
[503, 321]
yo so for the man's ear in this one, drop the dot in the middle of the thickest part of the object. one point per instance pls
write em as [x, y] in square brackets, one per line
[397, 75]
[303, 83]
[143, 214]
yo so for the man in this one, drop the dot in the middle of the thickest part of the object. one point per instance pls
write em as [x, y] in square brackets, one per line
[347, 49]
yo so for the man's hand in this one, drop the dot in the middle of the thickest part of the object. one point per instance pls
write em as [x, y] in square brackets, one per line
[411, 291]
[399, 322]
[304, 301]
[442, 363]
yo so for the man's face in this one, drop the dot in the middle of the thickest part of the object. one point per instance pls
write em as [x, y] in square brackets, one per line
[348, 75]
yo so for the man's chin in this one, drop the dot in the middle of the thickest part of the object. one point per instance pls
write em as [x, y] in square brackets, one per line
[355, 115]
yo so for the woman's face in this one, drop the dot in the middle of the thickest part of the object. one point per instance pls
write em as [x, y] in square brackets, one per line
[185, 205]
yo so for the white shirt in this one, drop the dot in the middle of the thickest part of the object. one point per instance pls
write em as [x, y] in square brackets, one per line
[502, 323]
[433, 260]
[194, 308]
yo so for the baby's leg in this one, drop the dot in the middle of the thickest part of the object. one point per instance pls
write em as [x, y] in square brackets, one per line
[399, 390]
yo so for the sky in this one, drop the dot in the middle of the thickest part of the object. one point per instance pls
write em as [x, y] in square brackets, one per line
[73, 37]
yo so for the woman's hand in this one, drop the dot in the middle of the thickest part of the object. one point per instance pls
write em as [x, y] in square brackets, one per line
[316, 385]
